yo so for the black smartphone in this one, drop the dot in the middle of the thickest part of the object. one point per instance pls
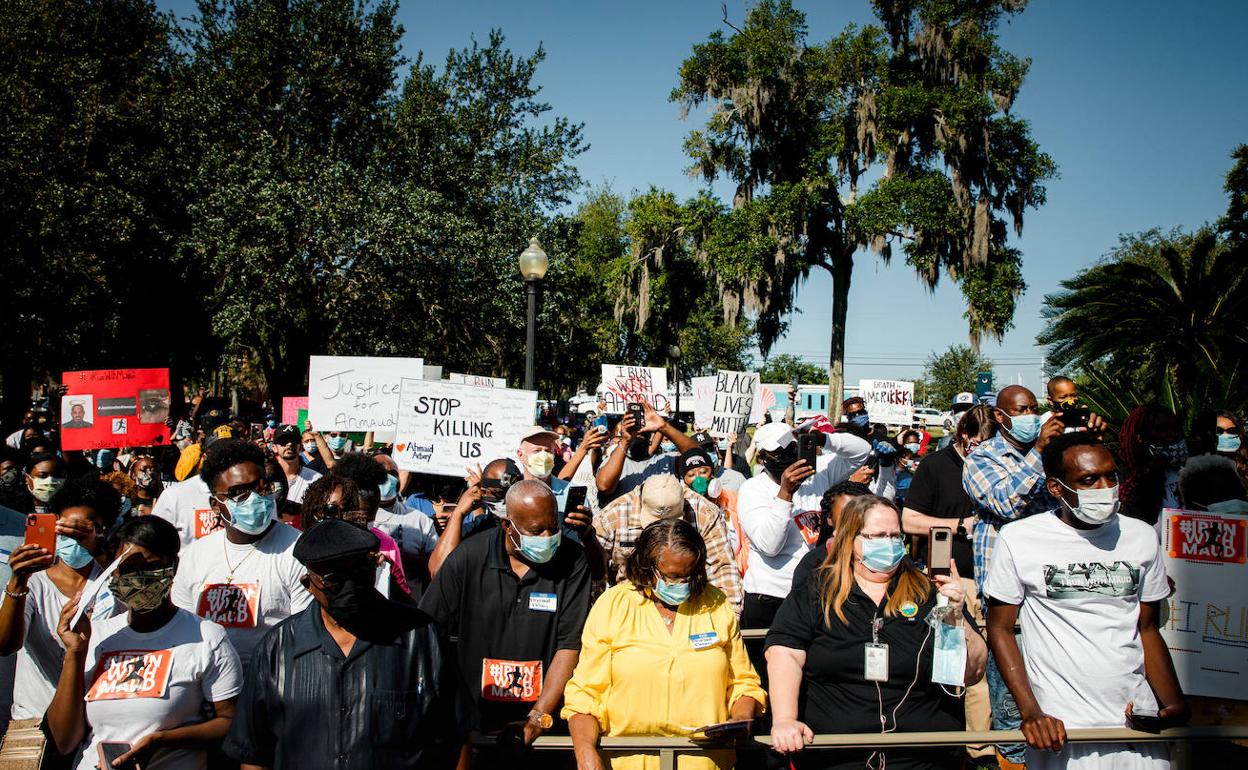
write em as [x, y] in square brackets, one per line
[111, 751]
[939, 551]
[1145, 724]
[808, 447]
[639, 416]
[1075, 416]
[575, 499]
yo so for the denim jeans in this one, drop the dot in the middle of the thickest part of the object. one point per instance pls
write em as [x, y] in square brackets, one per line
[1005, 714]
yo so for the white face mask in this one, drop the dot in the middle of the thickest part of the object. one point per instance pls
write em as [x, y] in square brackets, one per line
[1096, 506]
[540, 464]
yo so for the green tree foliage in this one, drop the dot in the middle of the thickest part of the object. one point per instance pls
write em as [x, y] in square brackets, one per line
[947, 374]
[638, 259]
[89, 193]
[1163, 313]
[896, 136]
[785, 367]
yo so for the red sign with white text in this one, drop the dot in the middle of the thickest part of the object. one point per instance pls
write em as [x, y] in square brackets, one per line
[108, 408]
[1202, 537]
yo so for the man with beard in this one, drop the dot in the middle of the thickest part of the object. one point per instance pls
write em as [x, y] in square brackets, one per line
[286, 446]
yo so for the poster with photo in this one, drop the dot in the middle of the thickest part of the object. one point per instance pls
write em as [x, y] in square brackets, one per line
[108, 408]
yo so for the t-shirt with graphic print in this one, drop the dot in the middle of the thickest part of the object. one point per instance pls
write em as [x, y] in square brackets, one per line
[1080, 592]
[140, 682]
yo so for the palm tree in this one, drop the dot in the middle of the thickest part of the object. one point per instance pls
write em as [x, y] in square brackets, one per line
[1165, 311]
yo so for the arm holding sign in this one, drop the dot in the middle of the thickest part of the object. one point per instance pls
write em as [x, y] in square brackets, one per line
[1159, 669]
[322, 447]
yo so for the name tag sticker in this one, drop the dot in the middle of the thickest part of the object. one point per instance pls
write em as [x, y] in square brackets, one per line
[704, 640]
[543, 602]
[875, 663]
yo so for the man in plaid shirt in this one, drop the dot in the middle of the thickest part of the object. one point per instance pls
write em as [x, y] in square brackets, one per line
[1005, 479]
[620, 523]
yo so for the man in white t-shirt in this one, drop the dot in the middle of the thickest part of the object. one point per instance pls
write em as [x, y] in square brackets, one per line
[184, 504]
[243, 577]
[779, 509]
[1085, 584]
[286, 445]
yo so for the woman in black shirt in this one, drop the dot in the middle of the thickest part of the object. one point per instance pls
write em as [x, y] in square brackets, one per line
[866, 601]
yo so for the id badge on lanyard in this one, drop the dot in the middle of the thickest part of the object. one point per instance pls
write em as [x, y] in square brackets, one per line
[875, 655]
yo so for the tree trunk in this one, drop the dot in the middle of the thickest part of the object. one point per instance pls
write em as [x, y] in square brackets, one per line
[842, 271]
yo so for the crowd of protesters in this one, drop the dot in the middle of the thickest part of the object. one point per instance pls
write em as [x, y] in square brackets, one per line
[263, 595]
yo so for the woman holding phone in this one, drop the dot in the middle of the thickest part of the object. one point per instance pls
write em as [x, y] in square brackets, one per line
[138, 683]
[43, 582]
[661, 655]
[851, 650]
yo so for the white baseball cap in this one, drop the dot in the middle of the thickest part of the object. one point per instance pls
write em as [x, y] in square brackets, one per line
[773, 436]
[537, 430]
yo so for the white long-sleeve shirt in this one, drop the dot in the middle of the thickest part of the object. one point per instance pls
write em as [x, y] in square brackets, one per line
[782, 531]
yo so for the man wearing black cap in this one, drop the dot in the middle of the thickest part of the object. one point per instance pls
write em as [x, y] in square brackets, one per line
[285, 448]
[517, 597]
[355, 680]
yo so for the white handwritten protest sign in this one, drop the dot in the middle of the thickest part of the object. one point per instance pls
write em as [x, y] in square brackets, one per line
[703, 400]
[734, 402]
[479, 381]
[622, 385]
[888, 401]
[357, 393]
[1206, 623]
[445, 426]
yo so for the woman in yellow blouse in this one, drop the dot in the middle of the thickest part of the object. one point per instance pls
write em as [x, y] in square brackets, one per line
[661, 655]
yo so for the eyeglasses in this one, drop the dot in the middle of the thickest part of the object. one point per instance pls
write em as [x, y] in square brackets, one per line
[241, 493]
[672, 581]
[880, 536]
[1231, 431]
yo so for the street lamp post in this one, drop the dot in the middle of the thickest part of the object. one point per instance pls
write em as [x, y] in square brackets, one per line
[533, 265]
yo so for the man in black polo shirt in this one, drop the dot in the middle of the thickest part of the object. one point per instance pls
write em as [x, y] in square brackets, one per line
[355, 680]
[516, 596]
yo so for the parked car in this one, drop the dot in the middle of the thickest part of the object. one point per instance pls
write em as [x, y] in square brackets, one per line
[927, 417]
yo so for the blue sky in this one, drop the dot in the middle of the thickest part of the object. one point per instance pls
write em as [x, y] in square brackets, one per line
[1139, 102]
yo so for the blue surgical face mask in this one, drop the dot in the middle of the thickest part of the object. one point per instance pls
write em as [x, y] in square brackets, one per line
[253, 514]
[309, 447]
[913, 447]
[388, 489]
[1024, 427]
[722, 444]
[882, 554]
[71, 552]
[671, 594]
[538, 549]
[667, 447]
[336, 443]
[861, 420]
[1228, 442]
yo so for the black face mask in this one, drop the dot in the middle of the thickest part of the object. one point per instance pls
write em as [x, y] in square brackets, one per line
[776, 464]
[639, 448]
[352, 597]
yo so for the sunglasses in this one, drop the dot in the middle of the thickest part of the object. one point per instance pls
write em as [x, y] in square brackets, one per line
[1231, 431]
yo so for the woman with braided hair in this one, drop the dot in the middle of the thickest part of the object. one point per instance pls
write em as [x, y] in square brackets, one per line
[1153, 452]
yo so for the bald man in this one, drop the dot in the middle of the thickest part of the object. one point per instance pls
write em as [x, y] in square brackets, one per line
[516, 596]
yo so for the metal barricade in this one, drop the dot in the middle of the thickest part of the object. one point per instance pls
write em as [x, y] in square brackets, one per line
[669, 748]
